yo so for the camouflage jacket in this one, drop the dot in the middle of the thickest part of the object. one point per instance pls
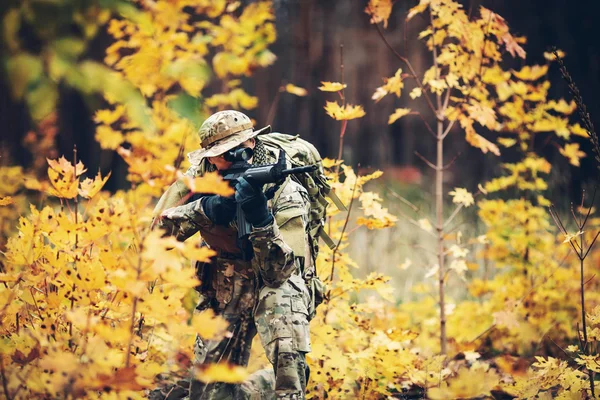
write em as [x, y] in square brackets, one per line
[279, 249]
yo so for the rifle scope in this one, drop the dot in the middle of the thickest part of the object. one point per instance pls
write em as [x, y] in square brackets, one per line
[238, 154]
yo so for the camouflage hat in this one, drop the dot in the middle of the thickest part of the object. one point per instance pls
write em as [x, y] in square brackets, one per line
[223, 131]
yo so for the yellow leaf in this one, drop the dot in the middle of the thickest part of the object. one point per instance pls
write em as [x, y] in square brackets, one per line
[208, 325]
[64, 167]
[572, 152]
[211, 182]
[89, 188]
[399, 113]
[422, 6]
[62, 186]
[298, 91]
[425, 225]
[550, 56]
[507, 142]
[108, 138]
[379, 10]
[332, 86]
[531, 73]
[348, 112]
[222, 372]
[578, 130]
[477, 140]
[5, 201]
[468, 383]
[394, 84]
[462, 196]
[407, 263]
[108, 117]
[416, 92]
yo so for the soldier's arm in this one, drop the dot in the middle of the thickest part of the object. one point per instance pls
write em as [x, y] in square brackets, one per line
[278, 245]
[176, 195]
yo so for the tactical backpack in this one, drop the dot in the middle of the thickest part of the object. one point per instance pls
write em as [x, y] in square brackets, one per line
[299, 153]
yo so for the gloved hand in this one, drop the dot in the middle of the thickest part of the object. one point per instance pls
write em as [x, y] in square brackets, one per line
[219, 209]
[253, 202]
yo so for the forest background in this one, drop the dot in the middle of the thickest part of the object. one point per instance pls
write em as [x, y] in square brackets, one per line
[431, 293]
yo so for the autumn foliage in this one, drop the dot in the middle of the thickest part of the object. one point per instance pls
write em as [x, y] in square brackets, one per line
[96, 304]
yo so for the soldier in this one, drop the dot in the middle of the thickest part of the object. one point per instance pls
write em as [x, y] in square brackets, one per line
[255, 283]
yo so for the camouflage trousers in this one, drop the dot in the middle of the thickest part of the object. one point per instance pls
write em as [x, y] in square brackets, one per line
[279, 316]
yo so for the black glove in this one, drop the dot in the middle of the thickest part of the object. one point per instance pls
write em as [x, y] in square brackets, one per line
[220, 210]
[253, 202]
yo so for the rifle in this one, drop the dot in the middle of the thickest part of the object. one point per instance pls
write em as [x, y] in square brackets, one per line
[270, 173]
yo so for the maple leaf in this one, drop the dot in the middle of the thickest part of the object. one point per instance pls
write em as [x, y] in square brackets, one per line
[108, 117]
[550, 55]
[108, 138]
[416, 92]
[88, 188]
[422, 6]
[407, 263]
[462, 196]
[392, 85]
[64, 167]
[222, 372]
[332, 86]
[298, 91]
[531, 73]
[572, 152]
[399, 113]
[578, 130]
[458, 266]
[379, 10]
[347, 112]
[122, 379]
[21, 359]
[62, 186]
[507, 142]
[7, 200]
[476, 140]
[208, 325]
[210, 182]
[425, 225]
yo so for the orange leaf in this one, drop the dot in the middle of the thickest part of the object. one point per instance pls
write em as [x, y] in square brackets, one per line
[5, 201]
[222, 372]
[211, 182]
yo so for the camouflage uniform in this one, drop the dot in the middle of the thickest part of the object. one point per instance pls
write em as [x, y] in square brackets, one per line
[256, 285]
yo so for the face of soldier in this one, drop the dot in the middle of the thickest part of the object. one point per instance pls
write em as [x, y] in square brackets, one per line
[222, 164]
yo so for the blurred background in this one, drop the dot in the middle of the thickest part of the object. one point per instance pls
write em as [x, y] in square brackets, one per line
[42, 110]
[309, 35]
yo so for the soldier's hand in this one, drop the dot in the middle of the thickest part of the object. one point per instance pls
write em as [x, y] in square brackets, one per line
[220, 210]
[253, 202]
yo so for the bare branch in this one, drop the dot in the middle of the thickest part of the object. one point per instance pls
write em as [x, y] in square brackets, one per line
[426, 161]
[451, 161]
[408, 64]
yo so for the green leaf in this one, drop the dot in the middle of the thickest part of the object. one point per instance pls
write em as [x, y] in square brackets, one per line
[188, 107]
[96, 77]
[69, 47]
[42, 99]
[23, 70]
[11, 23]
